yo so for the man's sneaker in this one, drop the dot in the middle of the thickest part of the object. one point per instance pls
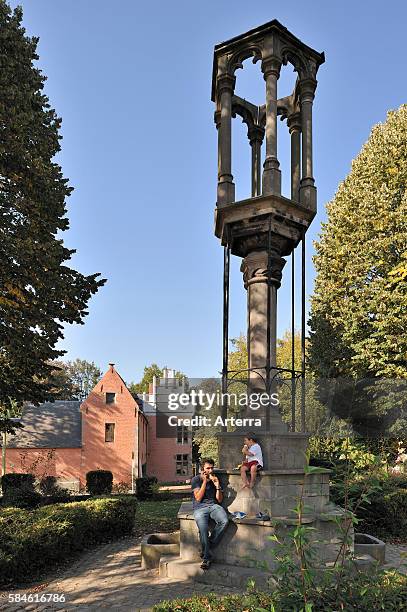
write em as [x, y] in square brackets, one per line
[205, 564]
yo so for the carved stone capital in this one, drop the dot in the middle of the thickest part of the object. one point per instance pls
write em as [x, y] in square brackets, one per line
[255, 268]
[226, 84]
[306, 89]
[294, 122]
[255, 134]
[271, 66]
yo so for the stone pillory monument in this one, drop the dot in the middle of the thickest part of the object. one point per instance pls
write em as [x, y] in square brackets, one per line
[262, 231]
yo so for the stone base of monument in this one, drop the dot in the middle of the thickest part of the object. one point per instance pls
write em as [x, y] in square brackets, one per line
[218, 574]
[246, 547]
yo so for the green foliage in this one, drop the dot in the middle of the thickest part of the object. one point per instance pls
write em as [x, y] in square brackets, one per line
[383, 511]
[238, 359]
[15, 481]
[207, 443]
[362, 592]
[34, 541]
[74, 380]
[361, 482]
[52, 491]
[359, 307]
[145, 487]
[99, 482]
[19, 492]
[148, 375]
[39, 293]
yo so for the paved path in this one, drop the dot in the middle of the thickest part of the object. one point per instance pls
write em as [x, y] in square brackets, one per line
[111, 577]
[396, 556]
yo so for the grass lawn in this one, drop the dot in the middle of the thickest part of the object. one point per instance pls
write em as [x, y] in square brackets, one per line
[156, 516]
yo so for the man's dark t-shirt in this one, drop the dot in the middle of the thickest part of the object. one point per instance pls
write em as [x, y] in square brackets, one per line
[209, 495]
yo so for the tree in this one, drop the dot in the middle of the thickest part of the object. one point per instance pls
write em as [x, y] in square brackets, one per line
[359, 307]
[9, 423]
[38, 291]
[149, 373]
[83, 375]
[74, 380]
[238, 358]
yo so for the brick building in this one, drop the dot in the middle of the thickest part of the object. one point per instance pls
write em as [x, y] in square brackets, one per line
[110, 430]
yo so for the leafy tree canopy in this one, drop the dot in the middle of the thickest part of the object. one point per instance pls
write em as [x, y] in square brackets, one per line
[38, 291]
[74, 380]
[149, 373]
[359, 307]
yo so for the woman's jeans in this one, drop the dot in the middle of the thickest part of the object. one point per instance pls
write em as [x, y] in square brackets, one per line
[202, 516]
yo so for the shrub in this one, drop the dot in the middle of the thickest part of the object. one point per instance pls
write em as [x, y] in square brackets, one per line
[99, 482]
[52, 492]
[21, 497]
[121, 487]
[362, 592]
[15, 481]
[385, 515]
[19, 492]
[34, 541]
[145, 487]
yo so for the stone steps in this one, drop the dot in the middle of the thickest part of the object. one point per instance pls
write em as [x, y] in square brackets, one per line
[217, 574]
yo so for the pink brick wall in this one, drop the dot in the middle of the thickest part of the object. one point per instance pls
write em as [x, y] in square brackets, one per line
[161, 455]
[116, 456]
[61, 462]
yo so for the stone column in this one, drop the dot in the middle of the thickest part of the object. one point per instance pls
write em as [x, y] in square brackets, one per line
[256, 135]
[226, 187]
[294, 127]
[308, 192]
[257, 278]
[271, 174]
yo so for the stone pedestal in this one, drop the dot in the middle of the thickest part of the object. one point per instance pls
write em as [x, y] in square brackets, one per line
[281, 451]
[246, 544]
[276, 492]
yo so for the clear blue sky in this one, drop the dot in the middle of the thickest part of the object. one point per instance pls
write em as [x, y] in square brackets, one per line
[131, 81]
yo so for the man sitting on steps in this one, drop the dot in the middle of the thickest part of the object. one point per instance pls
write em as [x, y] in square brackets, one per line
[207, 497]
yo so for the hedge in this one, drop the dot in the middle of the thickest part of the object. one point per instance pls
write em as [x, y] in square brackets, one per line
[99, 482]
[386, 515]
[16, 481]
[33, 541]
[145, 487]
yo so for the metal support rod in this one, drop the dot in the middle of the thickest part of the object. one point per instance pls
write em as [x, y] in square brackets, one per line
[268, 361]
[292, 342]
[303, 333]
[226, 274]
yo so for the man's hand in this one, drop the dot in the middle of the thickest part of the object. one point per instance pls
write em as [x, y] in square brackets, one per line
[215, 480]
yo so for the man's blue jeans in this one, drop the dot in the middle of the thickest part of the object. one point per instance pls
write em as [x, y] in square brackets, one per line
[202, 516]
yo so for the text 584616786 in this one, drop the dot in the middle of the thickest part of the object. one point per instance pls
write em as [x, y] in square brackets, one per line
[36, 597]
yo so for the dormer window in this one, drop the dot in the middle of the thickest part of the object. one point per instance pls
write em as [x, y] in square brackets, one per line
[110, 398]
